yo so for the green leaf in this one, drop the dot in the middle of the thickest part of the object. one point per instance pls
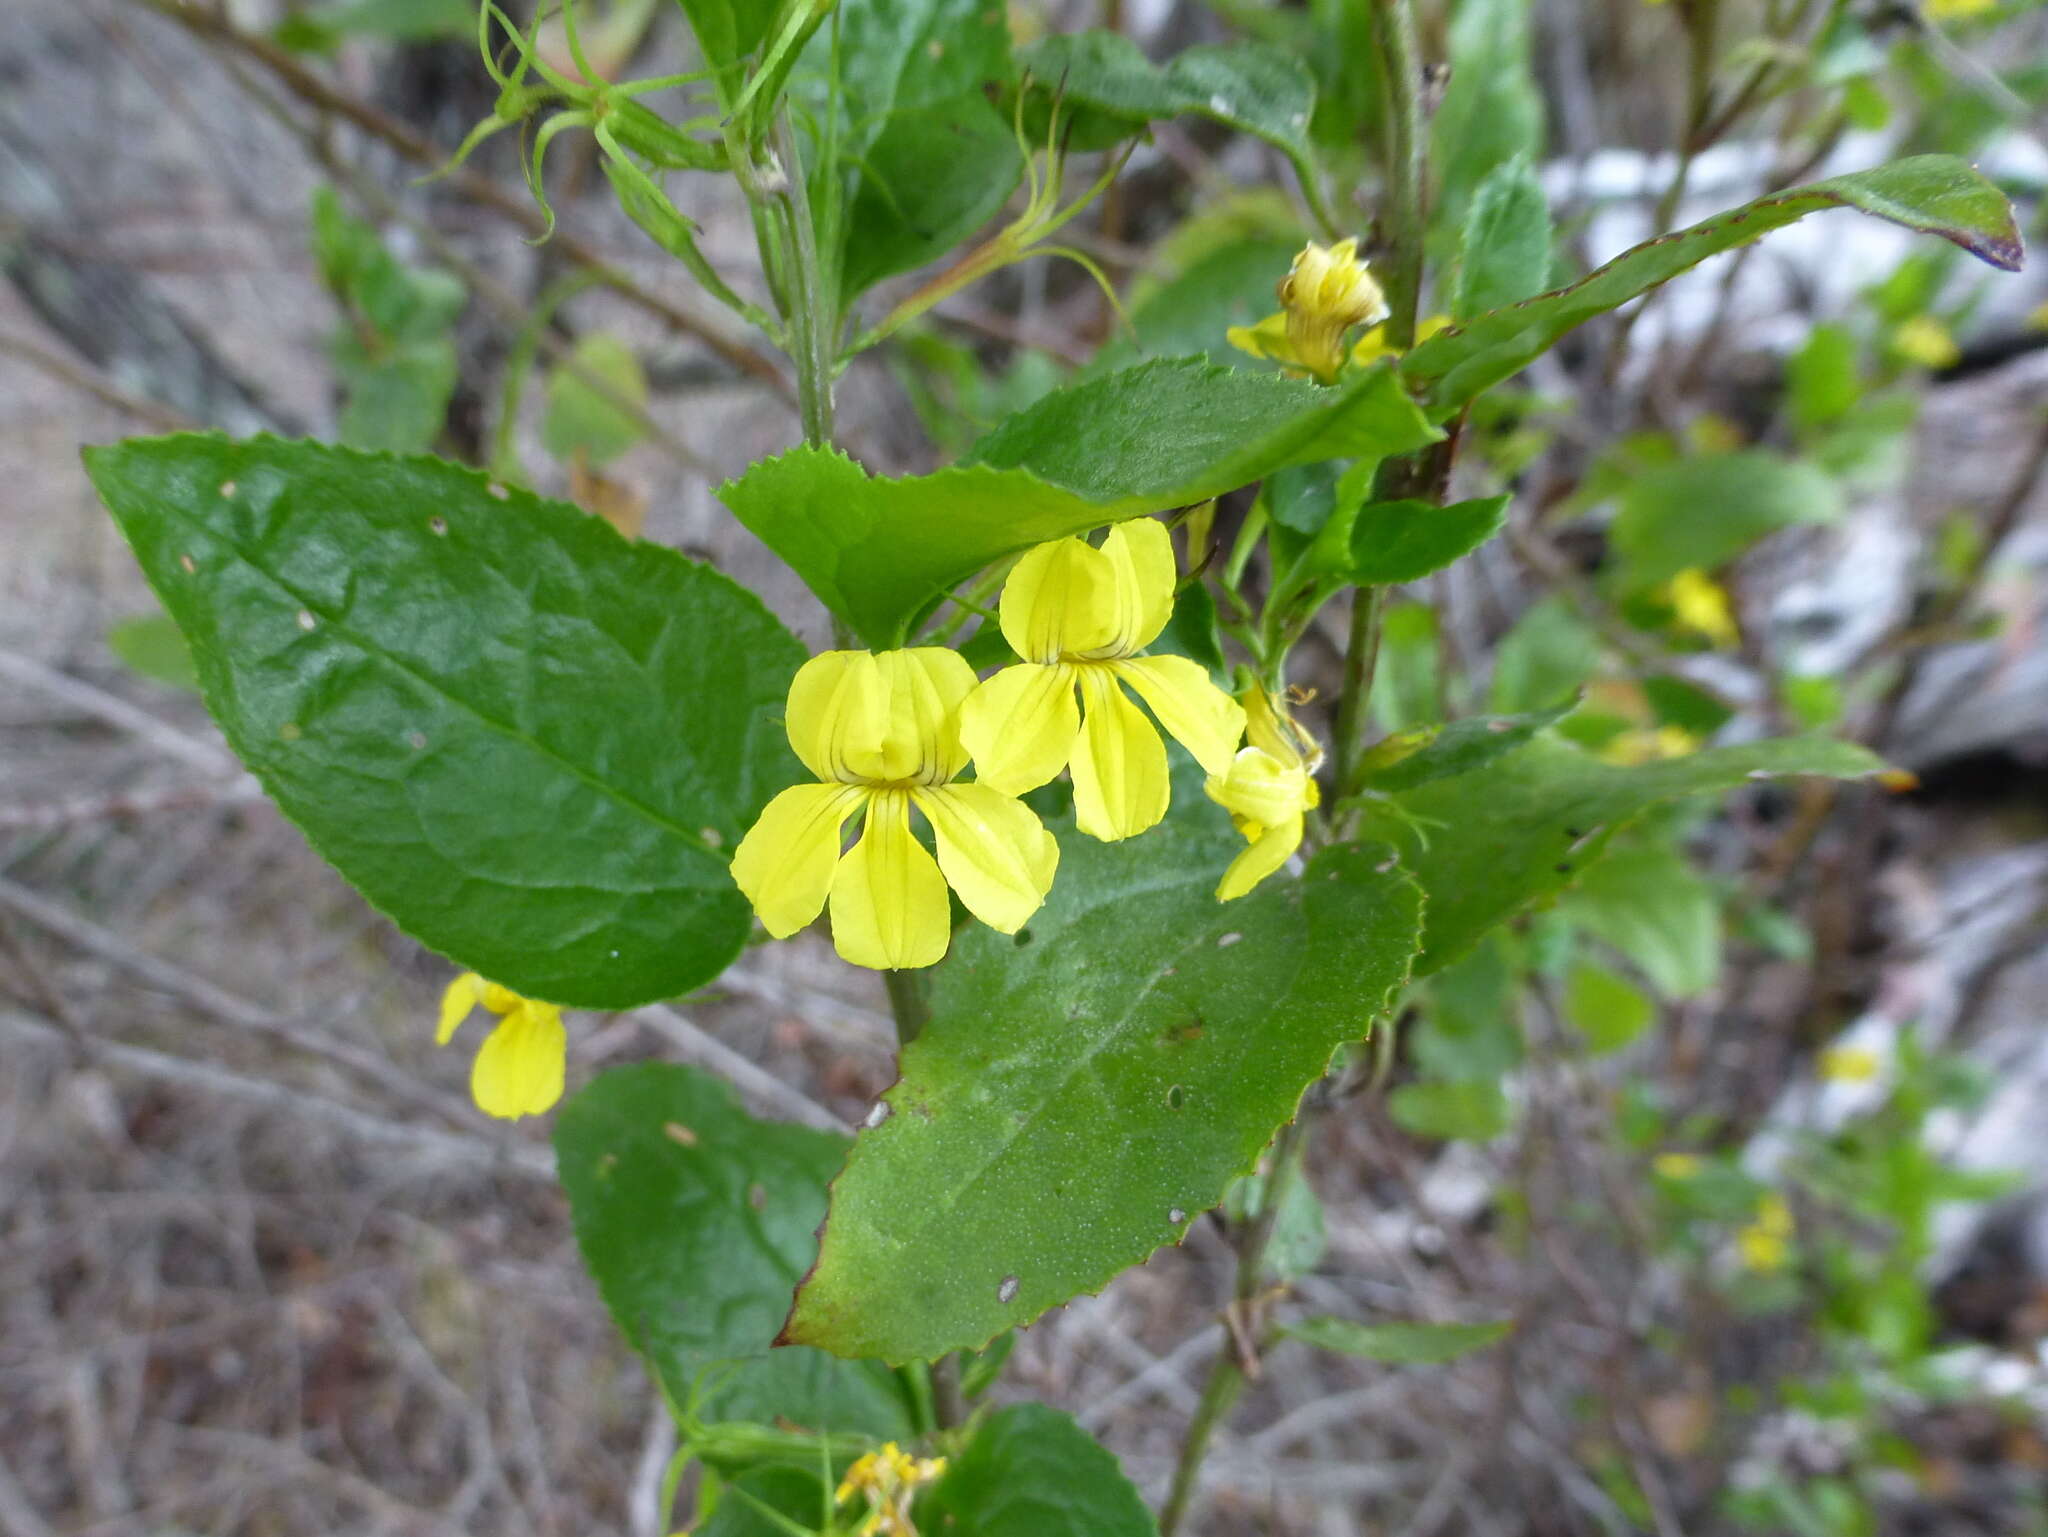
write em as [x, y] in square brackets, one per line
[1458, 748]
[526, 740]
[1491, 112]
[394, 351]
[1704, 512]
[792, 1493]
[1452, 1110]
[727, 32]
[153, 646]
[1487, 844]
[1231, 286]
[579, 419]
[1935, 194]
[1394, 542]
[923, 158]
[401, 21]
[1471, 1025]
[1545, 659]
[1608, 1010]
[1822, 377]
[696, 1220]
[1085, 1089]
[880, 551]
[1506, 253]
[933, 176]
[1402, 1344]
[396, 397]
[1652, 906]
[1032, 1472]
[1252, 87]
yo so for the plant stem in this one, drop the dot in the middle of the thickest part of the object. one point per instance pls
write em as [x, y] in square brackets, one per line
[1403, 225]
[1227, 1372]
[949, 1404]
[907, 1000]
[811, 311]
[1226, 1381]
[1354, 703]
[1405, 208]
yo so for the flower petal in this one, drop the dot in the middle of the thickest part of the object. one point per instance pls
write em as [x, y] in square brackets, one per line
[888, 899]
[838, 715]
[992, 850]
[785, 862]
[1020, 725]
[1267, 339]
[1120, 784]
[1140, 552]
[1262, 788]
[925, 685]
[463, 994]
[1265, 856]
[1194, 711]
[1060, 598]
[520, 1067]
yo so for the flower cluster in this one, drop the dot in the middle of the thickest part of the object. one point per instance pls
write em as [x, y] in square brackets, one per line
[888, 733]
[889, 1479]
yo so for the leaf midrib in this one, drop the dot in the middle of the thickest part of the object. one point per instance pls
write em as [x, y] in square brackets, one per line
[540, 750]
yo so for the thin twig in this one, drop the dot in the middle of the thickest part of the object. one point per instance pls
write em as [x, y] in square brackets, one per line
[93, 383]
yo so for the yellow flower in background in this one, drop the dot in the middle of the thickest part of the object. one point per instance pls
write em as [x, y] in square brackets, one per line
[520, 1066]
[1078, 616]
[1679, 1166]
[1926, 341]
[1956, 10]
[1700, 604]
[1326, 292]
[889, 1479]
[2037, 318]
[1632, 748]
[1268, 790]
[1849, 1064]
[1766, 1244]
[881, 732]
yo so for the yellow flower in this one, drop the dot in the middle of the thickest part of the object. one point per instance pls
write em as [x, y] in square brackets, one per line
[889, 1479]
[1677, 1165]
[520, 1066]
[1646, 746]
[1765, 1245]
[1926, 341]
[1078, 616]
[1326, 292]
[881, 732]
[1269, 788]
[1700, 604]
[2037, 318]
[1849, 1064]
[1957, 10]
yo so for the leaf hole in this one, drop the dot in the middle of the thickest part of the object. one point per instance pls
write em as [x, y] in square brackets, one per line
[1007, 1291]
[437, 525]
[227, 488]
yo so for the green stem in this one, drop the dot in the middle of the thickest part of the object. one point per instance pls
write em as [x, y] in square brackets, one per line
[1354, 704]
[1226, 1373]
[908, 1001]
[1226, 1381]
[1403, 214]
